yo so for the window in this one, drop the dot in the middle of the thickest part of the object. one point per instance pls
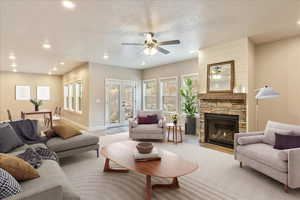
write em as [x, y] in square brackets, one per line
[168, 94]
[73, 96]
[23, 92]
[43, 93]
[150, 94]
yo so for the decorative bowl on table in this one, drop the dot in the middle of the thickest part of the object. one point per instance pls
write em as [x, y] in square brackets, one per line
[144, 147]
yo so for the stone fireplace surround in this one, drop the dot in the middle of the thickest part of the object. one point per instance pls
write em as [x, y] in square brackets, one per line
[223, 103]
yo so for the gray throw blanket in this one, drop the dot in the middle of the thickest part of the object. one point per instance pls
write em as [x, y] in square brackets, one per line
[27, 130]
[35, 156]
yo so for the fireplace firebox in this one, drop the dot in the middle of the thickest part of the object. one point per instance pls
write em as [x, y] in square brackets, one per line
[220, 129]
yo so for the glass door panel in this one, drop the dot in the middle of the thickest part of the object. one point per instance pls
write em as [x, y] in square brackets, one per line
[120, 102]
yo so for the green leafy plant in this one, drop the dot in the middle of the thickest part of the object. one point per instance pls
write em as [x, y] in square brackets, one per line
[189, 105]
[36, 102]
[174, 118]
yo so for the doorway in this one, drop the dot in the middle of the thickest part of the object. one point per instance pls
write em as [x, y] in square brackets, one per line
[120, 103]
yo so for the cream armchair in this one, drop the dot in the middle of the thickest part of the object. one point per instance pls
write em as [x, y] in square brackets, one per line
[148, 131]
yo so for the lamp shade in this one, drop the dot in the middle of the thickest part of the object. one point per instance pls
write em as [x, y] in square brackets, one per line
[266, 93]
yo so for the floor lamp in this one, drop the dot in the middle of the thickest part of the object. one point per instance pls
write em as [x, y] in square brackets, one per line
[264, 93]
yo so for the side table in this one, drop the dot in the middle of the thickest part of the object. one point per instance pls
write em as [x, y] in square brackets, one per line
[175, 131]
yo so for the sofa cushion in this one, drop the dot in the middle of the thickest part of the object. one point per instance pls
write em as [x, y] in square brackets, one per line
[250, 139]
[51, 173]
[17, 167]
[148, 129]
[8, 185]
[264, 154]
[58, 144]
[66, 132]
[283, 155]
[9, 140]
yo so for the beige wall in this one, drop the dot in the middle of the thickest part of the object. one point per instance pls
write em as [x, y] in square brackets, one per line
[79, 73]
[278, 66]
[8, 82]
[98, 74]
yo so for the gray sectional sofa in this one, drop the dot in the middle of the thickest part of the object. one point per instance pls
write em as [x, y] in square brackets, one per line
[53, 183]
[256, 151]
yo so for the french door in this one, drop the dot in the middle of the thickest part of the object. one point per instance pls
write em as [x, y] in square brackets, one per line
[120, 104]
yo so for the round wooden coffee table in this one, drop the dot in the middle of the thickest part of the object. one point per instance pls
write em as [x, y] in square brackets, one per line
[170, 165]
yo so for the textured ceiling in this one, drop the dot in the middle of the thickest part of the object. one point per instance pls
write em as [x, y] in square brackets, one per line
[96, 27]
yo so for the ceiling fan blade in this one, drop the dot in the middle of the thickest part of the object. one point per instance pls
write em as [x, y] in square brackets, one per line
[136, 44]
[162, 50]
[171, 42]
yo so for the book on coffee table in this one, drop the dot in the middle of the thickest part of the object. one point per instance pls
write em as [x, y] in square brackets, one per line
[154, 155]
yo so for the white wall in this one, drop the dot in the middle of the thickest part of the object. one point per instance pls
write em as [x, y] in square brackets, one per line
[242, 52]
[235, 50]
[278, 66]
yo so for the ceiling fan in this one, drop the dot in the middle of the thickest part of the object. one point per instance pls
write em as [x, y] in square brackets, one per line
[152, 46]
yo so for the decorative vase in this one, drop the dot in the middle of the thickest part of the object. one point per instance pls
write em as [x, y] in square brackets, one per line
[190, 125]
[36, 108]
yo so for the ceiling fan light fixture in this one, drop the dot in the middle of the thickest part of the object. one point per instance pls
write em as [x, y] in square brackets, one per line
[150, 51]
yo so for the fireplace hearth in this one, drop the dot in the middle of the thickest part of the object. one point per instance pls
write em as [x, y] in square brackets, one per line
[220, 128]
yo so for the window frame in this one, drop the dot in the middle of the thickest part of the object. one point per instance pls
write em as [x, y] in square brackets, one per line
[156, 91]
[161, 79]
[71, 101]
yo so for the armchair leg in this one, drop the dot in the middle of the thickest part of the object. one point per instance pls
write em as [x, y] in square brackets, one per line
[286, 188]
[97, 150]
[241, 165]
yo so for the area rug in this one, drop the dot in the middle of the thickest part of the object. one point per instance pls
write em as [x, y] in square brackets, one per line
[218, 178]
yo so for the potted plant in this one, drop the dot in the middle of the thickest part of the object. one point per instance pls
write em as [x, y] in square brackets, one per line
[36, 103]
[189, 107]
[174, 119]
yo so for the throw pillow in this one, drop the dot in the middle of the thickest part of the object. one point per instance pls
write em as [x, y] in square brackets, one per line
[286, 141]
[149, 119]
[18, 168]
[65, 131]
[269, 135]
[8, 185]
[8, 138]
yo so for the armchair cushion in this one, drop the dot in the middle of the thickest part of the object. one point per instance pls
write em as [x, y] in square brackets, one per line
[250, 139]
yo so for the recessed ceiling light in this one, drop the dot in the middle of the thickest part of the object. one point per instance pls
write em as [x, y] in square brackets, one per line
[12, 57]
[62, 63]
[14, 70]
[46, 45]
[105, 56]
[298, 22]
[54, 68]
[68, 4]
[49, 73]
[143, 63]
[13, 64]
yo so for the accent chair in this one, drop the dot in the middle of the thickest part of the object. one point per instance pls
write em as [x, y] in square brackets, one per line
[155, 131]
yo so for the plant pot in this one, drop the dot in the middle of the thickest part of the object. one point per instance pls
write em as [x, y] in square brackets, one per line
[36, 108]
[190, 126]
[175, 122]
